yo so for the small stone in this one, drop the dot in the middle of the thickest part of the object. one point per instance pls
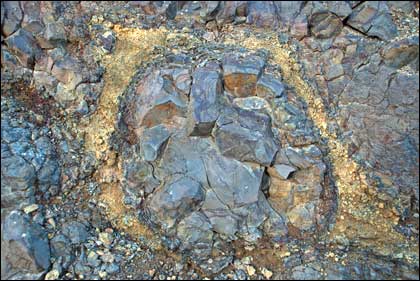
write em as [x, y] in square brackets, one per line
[267, 273]
[102, 274]
[51, 222]
[284, 170]
[249, 248]
[285, 254]
[52, 275]
[105, 238]
[31, 208]
[152, 272]
[250, 270]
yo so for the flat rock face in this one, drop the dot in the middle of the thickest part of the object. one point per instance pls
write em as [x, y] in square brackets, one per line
[205, 97]
[212, 164]
[374, 19]
[240, 75]
[246, 135]
[158, 100]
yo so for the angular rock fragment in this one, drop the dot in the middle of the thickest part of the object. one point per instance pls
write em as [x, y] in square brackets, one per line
[302, 216]
[25, 251]
[284, 170]
[185, 156]
[55, 32]
[12, 17]
[205, 97]
[297, 195]
[288, 11]
[325, 25]
[68, 72]
[195, 232]
[17, 181]
[75, 231]
[240, 188]
[401, 53]
[230, 10]
[222, 219]
[246, 135]
[269, 87]
[156, 102]
[374, 19]
[152, 141]
[32, 18]
[240, 75]
[340, 8]
[253, 103]
[262, 14]
[176, 199]
[24, 45]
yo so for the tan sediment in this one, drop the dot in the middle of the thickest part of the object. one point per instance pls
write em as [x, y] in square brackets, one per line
[133, 46]
[358, 215]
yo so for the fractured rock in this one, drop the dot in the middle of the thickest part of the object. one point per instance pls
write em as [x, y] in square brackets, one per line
[25, 251]
[374, 19]
[206, 92]
[12, 17]
[176, 199]
[156, 101]
[240, 75]
[262, 14]
[152, 141]
[24, 45]
[246, 135]
[269, 87]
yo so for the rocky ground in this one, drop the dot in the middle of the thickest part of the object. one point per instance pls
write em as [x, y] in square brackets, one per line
[210, 140]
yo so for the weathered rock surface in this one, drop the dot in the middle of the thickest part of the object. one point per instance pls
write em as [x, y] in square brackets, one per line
[374, 19]
[211, 172]
[25, 248]
[246, 136]
[205, 97]
[240, 75]
[29, 162]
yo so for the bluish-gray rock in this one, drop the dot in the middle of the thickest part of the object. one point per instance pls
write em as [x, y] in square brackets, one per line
[242, 185]
[288, 11]
[75, 231]
[55, 32]
[284, 170]
[262, 14]
[269, 87]
[206, 91]
[196, 235]
[246, 135]
[240, 75]
[25, 251]
[152, 141]
[24, 45]
[374, 19]
[12, 17]
[176, 199]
